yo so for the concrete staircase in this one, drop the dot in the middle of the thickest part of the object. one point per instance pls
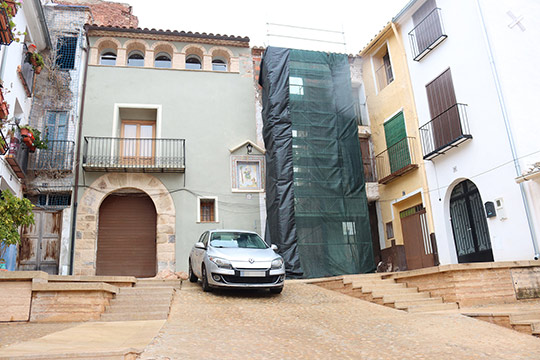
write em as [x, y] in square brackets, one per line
[526, 321]
[149, 299]
[373, 288]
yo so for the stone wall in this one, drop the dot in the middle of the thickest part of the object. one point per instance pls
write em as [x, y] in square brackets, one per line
[49, 306]
[15, 299]
[88, 214]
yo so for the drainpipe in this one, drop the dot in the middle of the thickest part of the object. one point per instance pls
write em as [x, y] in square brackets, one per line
[502, 105]
[78, 158]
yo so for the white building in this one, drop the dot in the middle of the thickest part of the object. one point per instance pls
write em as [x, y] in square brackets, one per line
[470, 63]
[17, 81]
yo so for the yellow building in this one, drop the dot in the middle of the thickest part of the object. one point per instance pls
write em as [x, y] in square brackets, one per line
[403, 207]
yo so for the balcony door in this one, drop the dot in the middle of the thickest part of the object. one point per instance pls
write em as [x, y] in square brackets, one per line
[443, 110]
[396, 143]
[56, 155]
[137, 146]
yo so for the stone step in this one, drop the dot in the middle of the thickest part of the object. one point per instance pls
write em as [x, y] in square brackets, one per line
[371, 287]
[379, 293]
[529, 315]
[133, 307]
[425, 301]
[146, 290]
[134, 316]
[176, 283]
[432, 307]
[368, 281]
[405, 297]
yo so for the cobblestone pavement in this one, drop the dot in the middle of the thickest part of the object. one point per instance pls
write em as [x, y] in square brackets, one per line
[11, 333]
[308, 322]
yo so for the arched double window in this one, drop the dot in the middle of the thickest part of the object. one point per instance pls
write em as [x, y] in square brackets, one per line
[135, 58]
[219, 65]
[193, 62]
[108, 57]
[163, 61]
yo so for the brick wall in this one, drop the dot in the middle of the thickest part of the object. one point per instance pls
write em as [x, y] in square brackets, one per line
[107, 13]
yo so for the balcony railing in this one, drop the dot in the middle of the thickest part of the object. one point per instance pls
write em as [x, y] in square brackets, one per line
[445, 131]
[4, 146]
[427, 35]
[17, 157]
[133, 155]
[57, 157]
[396, 161]
[27, 73]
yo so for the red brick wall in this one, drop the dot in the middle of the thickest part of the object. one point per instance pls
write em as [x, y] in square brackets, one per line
[107, 13]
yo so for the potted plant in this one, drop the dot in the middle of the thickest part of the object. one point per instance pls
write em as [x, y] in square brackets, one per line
[37, 61]
[32, 138]
[15, 213]
[7, 25]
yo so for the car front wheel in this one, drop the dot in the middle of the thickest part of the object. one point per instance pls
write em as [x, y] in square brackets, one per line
[192, 276]
[204, 278]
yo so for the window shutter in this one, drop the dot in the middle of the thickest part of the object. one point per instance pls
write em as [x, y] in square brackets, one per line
[396, 143]
[423, 11]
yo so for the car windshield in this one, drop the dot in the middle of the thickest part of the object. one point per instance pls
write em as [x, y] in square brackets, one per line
[237, 240]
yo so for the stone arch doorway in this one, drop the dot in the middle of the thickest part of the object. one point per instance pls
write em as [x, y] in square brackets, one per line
[469, 225]
[84, 262]
[126, 242]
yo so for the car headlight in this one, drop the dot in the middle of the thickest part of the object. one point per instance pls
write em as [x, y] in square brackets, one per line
[277, 263]
[222, 263]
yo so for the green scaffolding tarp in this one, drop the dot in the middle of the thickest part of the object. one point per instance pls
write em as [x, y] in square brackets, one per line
[317, 211]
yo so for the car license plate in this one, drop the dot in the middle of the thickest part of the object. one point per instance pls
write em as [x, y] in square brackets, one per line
[253, 273]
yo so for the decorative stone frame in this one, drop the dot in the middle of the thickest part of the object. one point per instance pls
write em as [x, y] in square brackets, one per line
[259, 160]
[170, 49]
[88, 214]
[142, 46]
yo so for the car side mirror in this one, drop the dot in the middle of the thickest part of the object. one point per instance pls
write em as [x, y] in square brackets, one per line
[200, 245]
[273, 247]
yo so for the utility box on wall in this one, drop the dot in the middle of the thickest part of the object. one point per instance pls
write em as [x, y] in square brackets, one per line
[490, 209]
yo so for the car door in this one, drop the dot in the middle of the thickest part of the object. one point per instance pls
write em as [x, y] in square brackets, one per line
[198, 255]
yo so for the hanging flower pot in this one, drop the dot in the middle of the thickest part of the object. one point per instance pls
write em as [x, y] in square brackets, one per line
[31, 148]
[33, 60]
[32, 48]
[37, 69]
[11, 7]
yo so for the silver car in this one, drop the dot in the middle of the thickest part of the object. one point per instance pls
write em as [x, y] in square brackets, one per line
[236, 258]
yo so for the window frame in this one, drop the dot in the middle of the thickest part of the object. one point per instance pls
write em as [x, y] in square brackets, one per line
[201, 199]
[160, 54]
[60, 64]
[105, 53]
[236, 162]
[193, 56]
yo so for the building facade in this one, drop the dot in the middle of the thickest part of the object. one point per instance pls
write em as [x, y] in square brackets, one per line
[169, 148]
[473, 97]
[404, 211]
[17, 87]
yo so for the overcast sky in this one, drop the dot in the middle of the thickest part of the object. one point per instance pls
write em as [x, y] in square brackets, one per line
[360, 20]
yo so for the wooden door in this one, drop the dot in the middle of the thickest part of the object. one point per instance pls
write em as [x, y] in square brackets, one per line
[416, 240]
[137, 147]
[443, 110]
[127, 236]
[40, 243]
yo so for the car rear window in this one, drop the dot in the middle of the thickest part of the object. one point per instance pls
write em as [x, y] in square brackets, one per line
[237, 240]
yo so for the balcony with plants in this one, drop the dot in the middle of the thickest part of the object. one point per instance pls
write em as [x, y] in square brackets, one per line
[445, 131]
[8, 31]
[32, 64]
[397, 160]
[133, 154]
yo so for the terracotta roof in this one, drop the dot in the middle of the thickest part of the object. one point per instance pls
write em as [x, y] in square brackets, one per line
[188, 34]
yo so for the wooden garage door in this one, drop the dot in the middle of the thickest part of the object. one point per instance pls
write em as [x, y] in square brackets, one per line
[127, 236]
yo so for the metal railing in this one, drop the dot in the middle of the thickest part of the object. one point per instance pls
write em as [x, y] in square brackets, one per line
[397, 160]
[130, 154]
[57, 157]
[27, 73]
[4, 147]
[17, 157]
[445, 131]
[427, 34]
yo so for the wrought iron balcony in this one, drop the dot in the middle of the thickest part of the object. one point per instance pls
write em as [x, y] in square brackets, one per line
[133, 155]
[427, 35]
[4, 146]
[446, 131]
[17, 157]
[396, 161]
[57, 157]
[27, 73]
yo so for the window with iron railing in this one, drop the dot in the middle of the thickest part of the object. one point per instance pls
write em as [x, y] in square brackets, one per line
[428, 30]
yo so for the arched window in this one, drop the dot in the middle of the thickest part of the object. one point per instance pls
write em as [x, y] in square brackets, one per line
[219, 65]
[193, 62]
[135, 58]
[108, 57]
[163, 60]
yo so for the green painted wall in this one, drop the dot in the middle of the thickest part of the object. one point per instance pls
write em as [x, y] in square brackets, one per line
[212, 111]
